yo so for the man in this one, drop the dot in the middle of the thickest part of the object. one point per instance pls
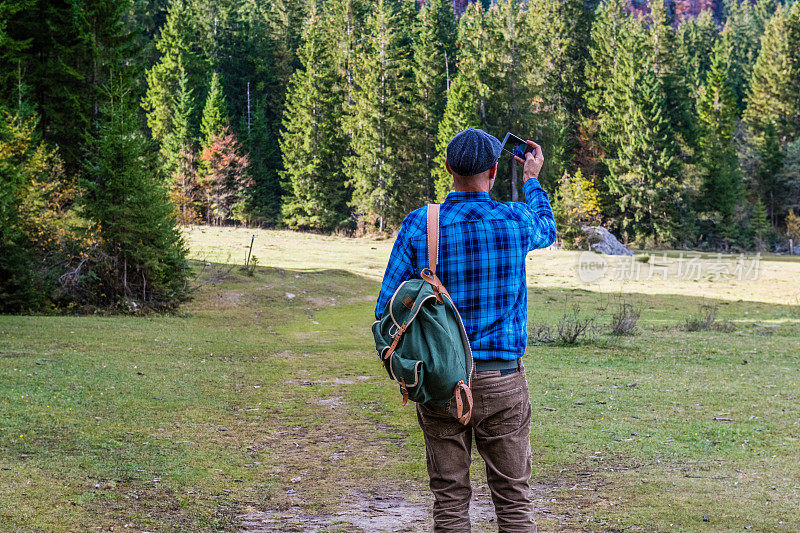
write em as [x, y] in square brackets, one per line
[482, 249]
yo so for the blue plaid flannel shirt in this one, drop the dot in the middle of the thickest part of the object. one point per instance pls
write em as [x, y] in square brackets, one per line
[482, 249]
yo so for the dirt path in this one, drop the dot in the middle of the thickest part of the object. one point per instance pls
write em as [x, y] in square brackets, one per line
[390, 512]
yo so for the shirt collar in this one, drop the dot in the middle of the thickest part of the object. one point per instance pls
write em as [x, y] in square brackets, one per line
[468, 196]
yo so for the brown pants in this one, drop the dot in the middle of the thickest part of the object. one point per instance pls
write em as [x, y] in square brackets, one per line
[501, 417]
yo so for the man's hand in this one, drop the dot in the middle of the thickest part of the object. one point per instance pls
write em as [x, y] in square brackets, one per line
[533, 162]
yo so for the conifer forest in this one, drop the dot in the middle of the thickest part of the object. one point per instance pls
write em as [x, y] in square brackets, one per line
[673, 123]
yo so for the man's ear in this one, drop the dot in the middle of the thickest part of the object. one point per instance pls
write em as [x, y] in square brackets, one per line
[493, 171]
[447, 167]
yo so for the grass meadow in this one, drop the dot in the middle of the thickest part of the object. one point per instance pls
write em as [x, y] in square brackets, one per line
[261, 405]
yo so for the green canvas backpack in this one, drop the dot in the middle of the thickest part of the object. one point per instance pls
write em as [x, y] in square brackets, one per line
[421, 339]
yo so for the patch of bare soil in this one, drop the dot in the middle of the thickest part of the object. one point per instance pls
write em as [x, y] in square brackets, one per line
[361, 512]
[136, 505]
[229, 298]
[367, 298]
[319, 301]
[324, 482]
[335, 381]
[391, 512]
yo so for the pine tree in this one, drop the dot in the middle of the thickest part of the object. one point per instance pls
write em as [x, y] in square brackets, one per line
[146, 18]
[344, 21]
[267, 53]
[409, 158]
[312, 138]
[178, 152]
[555, 82]
[434, 68]
[644, 172]
[695, 44]
[12, 51]
[789, 179]
[560, 46]
[770, 162]
[461, 112]
[717, 112]
[143, 257]
[759, 223]
[220, 29]
[278, 26]
[471, 46]
[261, 142]
[763, 12]
[742, 37]
[103, 27]
[665, 57]
[214, 121]
[373, 123]
[611, 33]
[178, 59]
[774, 96]
[508, 107]
[64, 53]
[179, 133]
[215, 112]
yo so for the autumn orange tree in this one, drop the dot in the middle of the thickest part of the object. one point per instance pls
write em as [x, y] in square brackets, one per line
[225, 180]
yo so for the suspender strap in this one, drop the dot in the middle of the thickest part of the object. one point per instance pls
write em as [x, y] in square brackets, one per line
[433, 237]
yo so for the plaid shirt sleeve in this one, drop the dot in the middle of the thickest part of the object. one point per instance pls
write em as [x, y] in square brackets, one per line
[537, 212]
[398, 270]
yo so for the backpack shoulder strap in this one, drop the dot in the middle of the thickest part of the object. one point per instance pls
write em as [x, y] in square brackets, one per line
[433, 237]
[429, 274]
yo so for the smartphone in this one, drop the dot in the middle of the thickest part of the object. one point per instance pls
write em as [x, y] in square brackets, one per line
[516, 146]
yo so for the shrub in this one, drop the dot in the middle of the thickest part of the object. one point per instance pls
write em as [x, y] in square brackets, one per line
[540, 334]
[572, 328]
[36, 237]
[707, 320]
[624, 321]
[576, 204]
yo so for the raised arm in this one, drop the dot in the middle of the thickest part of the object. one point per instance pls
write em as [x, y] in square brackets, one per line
[537, 210]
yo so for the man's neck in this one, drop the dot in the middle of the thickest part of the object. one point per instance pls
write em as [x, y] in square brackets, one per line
[472, 188]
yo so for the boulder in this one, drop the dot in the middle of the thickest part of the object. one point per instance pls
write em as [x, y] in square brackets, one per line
[784, 249]
[602, 241]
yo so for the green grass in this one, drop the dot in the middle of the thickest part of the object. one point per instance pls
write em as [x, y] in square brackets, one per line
[252, 400]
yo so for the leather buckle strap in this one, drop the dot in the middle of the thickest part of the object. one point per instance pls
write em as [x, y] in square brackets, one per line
[396, 340]
[462, 414]
[404, 390]
[436, 283]
[429, 274]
